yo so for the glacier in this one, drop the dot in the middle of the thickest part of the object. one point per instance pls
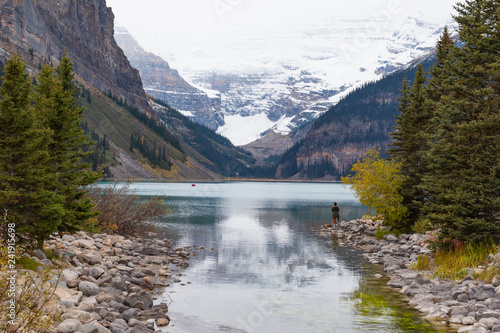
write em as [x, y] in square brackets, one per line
[280, 79]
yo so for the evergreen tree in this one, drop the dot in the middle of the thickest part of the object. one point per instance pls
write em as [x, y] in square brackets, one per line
[57, 100]
[441, 79]
[26, 194]
[410, 143]
[464, 151]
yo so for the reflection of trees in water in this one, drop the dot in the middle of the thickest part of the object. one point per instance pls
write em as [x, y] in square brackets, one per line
[286, 250]
[278, 243]
[383, 310]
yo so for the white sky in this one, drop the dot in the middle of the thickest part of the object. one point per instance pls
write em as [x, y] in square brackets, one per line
[182, 31]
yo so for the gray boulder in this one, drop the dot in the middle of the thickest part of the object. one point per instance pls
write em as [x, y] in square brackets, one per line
[39, 254]
[96, 271]
[130, 313]
[142, 302]
[89, 258]
[69, 275]
[69, 326]
[95, 327]
[139, 328]
[88, 288]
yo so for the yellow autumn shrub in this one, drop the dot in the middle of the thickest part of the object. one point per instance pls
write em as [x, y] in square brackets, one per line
[377, 183]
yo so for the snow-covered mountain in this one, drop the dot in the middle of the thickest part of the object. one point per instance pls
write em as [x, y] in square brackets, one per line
[165, 83]
[287, 77]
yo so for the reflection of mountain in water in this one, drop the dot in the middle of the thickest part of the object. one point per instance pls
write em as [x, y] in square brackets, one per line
[264, 243]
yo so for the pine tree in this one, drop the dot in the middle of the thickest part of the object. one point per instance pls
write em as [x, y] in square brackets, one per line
[463, 181]
[57, 101]
[26, 181]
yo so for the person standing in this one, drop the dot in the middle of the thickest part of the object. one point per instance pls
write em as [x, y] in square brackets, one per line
[335, 213]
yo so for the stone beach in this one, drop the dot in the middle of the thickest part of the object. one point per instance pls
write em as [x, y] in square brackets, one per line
[110, 283]
[467, 305]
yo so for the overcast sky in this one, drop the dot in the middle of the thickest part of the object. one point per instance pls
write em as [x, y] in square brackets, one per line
[172, 28]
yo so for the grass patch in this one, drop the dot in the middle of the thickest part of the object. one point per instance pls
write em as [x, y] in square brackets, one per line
[423, 263]
[49, 254]
[454, 264]
[380, 233]
[27, 263]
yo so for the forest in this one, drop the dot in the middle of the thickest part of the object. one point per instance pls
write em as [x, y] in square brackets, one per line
[446, 147]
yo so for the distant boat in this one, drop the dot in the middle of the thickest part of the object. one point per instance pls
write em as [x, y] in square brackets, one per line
[193, 184]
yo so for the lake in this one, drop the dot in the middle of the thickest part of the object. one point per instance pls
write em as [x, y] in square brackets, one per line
[265, 267]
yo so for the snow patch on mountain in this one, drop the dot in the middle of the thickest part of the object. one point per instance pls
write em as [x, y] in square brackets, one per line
[244, 130]
[308, 73]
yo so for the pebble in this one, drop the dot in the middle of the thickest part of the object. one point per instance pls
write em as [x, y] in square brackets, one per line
[108, 284]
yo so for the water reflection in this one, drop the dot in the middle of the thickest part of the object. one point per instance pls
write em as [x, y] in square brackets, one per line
[378, 309]
[269, 270]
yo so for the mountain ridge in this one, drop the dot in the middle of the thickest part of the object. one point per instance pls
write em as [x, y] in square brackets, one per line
[293, 87]
[117, 107]
[164, 83]
[338, 138]
[321, 68]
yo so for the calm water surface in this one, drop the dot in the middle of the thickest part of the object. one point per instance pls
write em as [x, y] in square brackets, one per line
[266, 269]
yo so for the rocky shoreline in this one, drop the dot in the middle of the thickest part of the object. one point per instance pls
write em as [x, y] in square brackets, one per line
[109, 283]
[467, 306]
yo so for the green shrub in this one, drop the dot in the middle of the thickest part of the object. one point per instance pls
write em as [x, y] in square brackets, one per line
[422, 226]
[377, 183]
[92, 226]
[49, 254]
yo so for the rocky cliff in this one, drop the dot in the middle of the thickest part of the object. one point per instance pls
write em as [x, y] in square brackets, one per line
[165, 83]
[42, 30]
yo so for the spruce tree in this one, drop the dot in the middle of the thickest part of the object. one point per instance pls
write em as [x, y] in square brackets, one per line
[56, 99]
[463, 179]
[410, 143]
[440, 80]
[25, 195]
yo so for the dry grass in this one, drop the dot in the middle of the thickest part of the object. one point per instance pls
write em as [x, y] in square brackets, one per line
[423, 263]
[455, 264]
[27, 298]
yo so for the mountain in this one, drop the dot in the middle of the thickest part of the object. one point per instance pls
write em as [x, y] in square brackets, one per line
[165, 83]
[304, 74]
[133, 140]
[41, 31]
[338, 138]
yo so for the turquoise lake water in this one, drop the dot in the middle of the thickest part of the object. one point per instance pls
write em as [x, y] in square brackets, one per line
[265, 267]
